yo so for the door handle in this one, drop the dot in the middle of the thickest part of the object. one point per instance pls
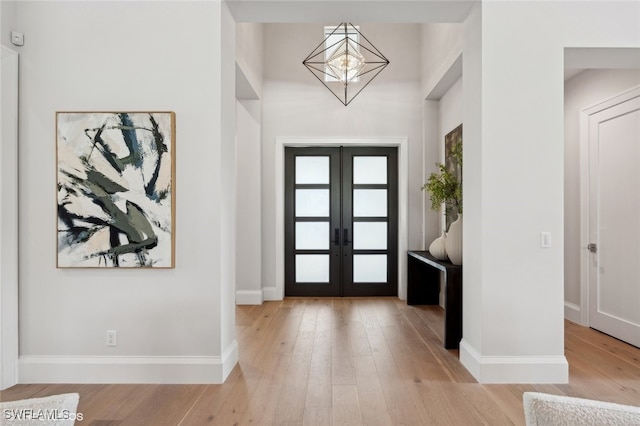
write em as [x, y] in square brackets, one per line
[345, 240]
[336, 237]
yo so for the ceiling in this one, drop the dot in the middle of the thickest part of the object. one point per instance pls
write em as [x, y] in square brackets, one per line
[602, 57]
[578, 59]
[407, 11]
[382, 11]
[331, 11]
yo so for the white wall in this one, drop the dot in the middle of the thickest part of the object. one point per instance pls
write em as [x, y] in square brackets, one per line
[225, 120]
[450, 112]
[8, 198]
[441, 46]
[580, 92]
[249, 59]
[472, 300]
[250, 53]
[431, 227]
[173, 325]
[297, 105]
[8, 218]
[8, 11]
[514, 292]
[249, 222]
[449, 116]
[441, 54]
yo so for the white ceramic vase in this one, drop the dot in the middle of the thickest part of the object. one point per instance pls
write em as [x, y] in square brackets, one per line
[453, 243]
[437, 247]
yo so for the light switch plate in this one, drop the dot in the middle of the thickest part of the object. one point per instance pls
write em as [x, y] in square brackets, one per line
[545, 239]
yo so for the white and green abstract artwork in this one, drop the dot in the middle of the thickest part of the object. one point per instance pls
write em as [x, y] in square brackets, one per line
[116, 191]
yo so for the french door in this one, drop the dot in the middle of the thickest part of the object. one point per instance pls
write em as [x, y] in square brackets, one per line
[341, 221]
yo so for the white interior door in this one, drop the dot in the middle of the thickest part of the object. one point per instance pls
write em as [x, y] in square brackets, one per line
[614, 218]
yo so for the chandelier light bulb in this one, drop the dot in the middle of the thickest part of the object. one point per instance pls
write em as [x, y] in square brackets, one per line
[346, 65]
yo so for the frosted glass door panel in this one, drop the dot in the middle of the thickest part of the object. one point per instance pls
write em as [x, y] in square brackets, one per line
[312, 235]
[370, 268]
[312, 268]
[370, 202]
[312, 170]
[370, 235]
[312, 202]
[369, 170]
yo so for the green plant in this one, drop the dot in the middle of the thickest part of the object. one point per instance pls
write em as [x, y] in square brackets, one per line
[445, 186]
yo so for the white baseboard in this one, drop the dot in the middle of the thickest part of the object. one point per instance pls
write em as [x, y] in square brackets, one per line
[514, 369]
[572, 312]
[154, 369]
[249, 297]
[229, 359]
[271, 293]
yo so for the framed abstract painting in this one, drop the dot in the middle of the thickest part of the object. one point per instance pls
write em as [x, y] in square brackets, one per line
[116, 189]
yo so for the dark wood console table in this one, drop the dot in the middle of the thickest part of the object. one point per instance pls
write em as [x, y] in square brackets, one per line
[423, 288]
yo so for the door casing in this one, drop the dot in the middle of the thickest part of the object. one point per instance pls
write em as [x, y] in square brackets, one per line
[402, 144]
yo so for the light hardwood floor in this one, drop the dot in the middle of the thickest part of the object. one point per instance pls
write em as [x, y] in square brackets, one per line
[369, 361]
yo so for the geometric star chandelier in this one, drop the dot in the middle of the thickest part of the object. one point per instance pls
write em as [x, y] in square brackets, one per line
[345, 62]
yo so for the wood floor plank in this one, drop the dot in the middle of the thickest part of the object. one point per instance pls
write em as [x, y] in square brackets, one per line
[320, 369]
[264, 400]
[373, 406]
[402, 409]
[292, 398]
[589, 336]
[345, 405]
[167, 405]
[413, 366]
[441, 407]
[291, 402]
[595, 381]
[341, 357]
[483, 408]
[24, 391]
[509, 402]
[113, 402]
[447, 359]
[317, 416]
[231, 411]
[350, 361]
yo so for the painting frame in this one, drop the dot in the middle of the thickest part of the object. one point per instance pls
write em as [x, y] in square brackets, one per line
[452, 165]
[116, 191]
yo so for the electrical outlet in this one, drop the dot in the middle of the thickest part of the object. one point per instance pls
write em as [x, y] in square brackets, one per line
[17, 38]
[111, 338]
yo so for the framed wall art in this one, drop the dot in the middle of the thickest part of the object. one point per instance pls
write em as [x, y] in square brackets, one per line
[116, 189]
[453, 163]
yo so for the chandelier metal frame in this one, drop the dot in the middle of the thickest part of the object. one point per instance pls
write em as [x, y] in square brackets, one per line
[353, 63]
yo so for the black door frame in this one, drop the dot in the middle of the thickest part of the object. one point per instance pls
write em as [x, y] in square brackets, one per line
[391, 287]
[320, 289]
[342, 222]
